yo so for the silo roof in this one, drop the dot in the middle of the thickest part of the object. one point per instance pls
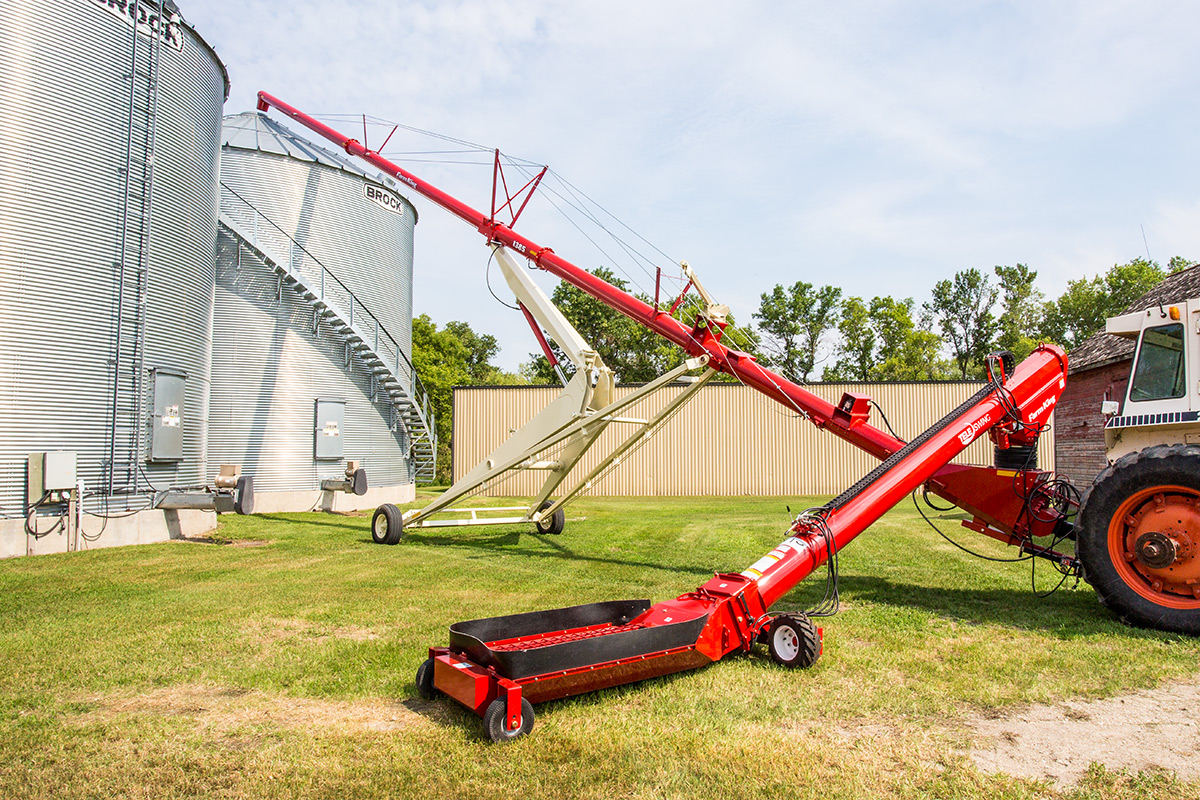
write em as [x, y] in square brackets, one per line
[254, 130]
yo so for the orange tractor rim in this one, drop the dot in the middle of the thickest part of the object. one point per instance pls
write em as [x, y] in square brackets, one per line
[1147, 519]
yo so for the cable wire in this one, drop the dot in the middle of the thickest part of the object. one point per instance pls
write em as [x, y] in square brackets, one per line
[813, 520]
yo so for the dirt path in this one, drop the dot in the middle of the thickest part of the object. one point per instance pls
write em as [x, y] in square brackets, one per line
[1157, 728]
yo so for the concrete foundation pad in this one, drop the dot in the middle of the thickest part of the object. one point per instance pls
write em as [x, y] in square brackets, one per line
[160, 525]
[144, 527]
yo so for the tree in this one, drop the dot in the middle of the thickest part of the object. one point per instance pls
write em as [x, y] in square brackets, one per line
[1021, 303]
[906, 352]
[962, 309]
[794, 321]
[1178, 264]
[856, 351]
[1087, 302]
[1127, 282]
[443, 359]
[481, 348]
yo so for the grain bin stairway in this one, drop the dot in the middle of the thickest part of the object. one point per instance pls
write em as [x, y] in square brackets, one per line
[362, 332]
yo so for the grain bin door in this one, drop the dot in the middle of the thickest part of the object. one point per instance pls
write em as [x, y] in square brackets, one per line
[330, 425]
[166, 426]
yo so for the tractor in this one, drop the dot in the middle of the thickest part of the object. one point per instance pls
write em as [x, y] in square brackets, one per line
[1138, 527]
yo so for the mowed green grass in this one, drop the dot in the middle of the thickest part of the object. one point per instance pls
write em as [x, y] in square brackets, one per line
[286, 669]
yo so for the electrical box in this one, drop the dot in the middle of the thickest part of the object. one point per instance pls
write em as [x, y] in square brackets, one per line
[330, 424]
[166, 426]
[50, 472]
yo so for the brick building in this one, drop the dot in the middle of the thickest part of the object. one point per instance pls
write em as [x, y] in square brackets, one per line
[1098, 371]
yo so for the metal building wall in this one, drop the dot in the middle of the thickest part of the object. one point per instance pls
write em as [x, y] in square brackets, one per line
[728, 440]
[269, 368]
[64, 102]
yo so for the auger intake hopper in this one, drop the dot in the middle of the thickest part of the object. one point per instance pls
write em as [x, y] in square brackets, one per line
[499, 666]
[565, 640]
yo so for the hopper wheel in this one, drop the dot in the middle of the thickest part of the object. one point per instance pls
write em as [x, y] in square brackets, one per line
[425, 687]
[1139, 538]
[494, 722]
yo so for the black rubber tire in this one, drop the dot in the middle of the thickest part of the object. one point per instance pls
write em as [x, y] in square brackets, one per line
[1016, 457]
[425, 687]
[1121, 586]
[793, 641]
[493, 720]
[387, 526]
[553, 526]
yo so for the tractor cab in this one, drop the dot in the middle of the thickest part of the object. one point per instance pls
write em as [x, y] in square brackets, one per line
[1159, 408]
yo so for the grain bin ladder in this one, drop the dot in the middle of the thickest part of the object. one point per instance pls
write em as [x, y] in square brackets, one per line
[498, 666]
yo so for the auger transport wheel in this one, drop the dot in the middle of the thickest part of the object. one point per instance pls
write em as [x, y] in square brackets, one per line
[494, 722]
[1139, 538]
[425, 687]
[793, 640]
[555, 524]
[387, 526]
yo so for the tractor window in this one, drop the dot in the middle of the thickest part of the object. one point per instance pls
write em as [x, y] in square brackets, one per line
[1159, 373]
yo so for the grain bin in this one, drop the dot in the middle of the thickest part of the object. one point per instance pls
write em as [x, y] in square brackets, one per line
[312, 324]
[108, 202]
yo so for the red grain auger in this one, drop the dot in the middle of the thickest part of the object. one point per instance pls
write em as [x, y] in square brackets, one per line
[499, 666]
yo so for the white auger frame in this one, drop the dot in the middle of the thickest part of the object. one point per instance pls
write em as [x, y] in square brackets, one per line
[584, 409]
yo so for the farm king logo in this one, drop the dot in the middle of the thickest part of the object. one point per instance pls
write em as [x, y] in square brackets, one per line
[969, 433]
[146, 20]
[1046, 404]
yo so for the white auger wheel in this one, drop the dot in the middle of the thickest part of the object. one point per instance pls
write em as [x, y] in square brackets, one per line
[387, 526]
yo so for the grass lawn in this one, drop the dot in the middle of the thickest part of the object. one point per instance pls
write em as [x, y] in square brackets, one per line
[281, 664]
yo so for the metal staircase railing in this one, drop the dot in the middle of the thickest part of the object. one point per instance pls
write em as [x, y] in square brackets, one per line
[362, 332]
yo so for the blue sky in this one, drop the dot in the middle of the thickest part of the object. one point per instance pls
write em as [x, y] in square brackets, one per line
[876, 146]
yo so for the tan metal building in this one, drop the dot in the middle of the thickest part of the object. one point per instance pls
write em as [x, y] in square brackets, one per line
[728, 440]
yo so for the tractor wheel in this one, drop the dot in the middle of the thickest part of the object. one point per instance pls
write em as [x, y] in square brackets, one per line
[425, 687]
[1138, 536]
[387, 526]
[493, 720]
[554, 525]
[793, 640]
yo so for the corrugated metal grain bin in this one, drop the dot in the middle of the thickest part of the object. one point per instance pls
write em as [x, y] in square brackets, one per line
[108, 213]
[313, 312]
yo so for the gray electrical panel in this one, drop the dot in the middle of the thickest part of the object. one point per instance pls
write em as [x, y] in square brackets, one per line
[331, 421]
[166, 426]
[50, 472]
